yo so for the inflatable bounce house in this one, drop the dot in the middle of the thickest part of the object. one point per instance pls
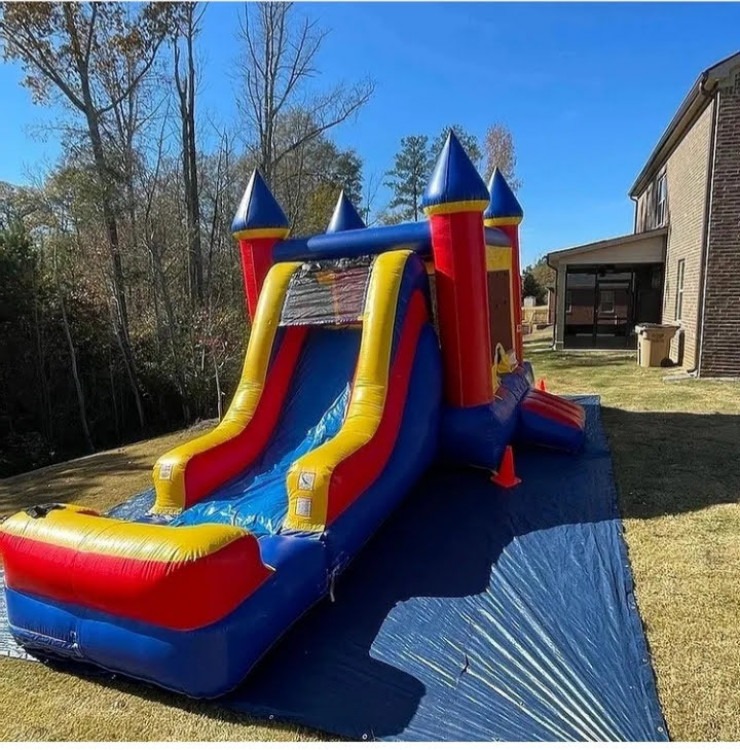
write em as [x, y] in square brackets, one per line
[357, 378]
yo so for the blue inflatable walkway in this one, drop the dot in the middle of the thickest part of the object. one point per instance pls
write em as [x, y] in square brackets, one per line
[478, 614]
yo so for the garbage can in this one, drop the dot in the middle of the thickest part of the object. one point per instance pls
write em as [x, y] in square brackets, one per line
[654, 344]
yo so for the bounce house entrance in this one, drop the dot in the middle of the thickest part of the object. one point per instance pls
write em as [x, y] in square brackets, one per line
[499, 301]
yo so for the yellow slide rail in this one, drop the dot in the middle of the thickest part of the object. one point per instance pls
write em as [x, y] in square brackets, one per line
[170, 469]
[310, 476]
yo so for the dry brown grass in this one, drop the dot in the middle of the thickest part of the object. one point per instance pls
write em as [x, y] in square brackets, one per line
[676, 449]
[39, 704]
[98, 481]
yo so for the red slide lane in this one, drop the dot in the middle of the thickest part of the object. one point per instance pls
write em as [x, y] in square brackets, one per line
[359, 470]
[209, 470]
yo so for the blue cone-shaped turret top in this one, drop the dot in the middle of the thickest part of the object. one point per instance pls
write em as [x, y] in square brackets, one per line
[504, 204]
[258, 208]
[345, 216]
[454, 179]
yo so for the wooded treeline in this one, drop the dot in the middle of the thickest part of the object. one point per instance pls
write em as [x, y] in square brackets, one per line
[121, 305]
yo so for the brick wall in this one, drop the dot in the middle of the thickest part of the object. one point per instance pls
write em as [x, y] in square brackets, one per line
[687, 172]
[720, 354]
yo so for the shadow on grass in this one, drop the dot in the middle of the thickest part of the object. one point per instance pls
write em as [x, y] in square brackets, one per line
[669, 463]
[64, 483]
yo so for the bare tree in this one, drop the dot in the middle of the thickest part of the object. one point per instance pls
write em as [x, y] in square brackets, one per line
[279, 57]
[67, 49]
[63, 237]
[369, 197]
[186, 29]
[218, 196]
[500, 152]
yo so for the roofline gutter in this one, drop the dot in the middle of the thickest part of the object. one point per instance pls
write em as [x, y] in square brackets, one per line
[608, 242]
[705, 238]
[699, 93]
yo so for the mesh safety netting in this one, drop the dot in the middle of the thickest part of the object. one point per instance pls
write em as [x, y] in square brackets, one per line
[328, 292]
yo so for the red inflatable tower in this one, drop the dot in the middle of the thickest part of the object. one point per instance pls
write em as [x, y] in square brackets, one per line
[454, 201]
[505, 213]
[259, 225]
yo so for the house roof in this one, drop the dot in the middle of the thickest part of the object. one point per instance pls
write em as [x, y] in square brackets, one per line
[693, 104]
[612, 242]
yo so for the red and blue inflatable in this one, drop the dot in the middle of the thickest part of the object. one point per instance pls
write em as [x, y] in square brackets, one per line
[374, 353]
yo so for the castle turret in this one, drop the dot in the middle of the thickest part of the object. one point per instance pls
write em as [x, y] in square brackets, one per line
[505, 212]
[454, 201]
[259, 224]
[345, 216]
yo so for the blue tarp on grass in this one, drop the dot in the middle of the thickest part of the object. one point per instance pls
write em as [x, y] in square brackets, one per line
[478, 614]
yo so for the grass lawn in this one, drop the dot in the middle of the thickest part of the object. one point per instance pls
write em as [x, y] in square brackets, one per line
[676, 449]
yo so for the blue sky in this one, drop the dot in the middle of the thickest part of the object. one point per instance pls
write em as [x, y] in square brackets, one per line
[586, 89]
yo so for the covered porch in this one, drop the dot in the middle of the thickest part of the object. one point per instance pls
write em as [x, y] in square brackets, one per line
[605, 288]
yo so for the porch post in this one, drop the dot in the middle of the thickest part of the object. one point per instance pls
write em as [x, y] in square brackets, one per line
[560, 299]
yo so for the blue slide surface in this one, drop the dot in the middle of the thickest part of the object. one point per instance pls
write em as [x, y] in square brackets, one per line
[312, 414]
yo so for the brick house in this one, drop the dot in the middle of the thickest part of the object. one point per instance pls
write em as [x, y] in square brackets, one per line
[681, 264]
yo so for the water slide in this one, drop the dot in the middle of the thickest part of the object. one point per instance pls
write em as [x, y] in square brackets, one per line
[334, 419]
[348, 394]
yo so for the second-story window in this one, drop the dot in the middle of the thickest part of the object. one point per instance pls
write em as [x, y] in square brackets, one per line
[661, 201]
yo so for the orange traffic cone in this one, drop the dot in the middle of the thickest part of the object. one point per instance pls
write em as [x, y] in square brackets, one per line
[506, 476]
[541, 385]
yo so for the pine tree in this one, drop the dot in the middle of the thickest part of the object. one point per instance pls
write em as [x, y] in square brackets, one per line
[408, 178]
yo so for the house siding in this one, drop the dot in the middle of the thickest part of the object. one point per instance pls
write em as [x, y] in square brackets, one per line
[645, 209]
[720, 351]
[687, 174]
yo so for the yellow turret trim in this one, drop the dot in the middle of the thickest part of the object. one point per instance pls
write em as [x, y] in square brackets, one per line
[279, 233]
[456, 207]
[503, 221]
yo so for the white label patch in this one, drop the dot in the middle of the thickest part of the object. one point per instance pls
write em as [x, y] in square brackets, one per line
[165, 471]
[306, 480]
[303, 507]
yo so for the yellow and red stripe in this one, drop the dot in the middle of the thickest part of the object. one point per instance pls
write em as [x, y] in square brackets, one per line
[360, 469]
[134, 570]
